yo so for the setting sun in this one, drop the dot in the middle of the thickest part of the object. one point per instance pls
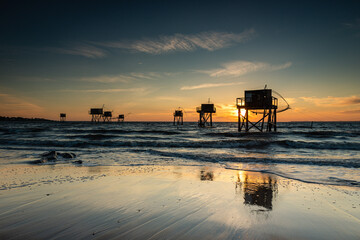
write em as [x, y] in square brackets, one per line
[242, 112]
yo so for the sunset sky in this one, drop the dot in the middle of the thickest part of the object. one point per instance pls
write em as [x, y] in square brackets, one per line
[147, 58]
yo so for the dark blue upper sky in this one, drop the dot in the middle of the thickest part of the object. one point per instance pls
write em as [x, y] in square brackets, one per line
[154, 49]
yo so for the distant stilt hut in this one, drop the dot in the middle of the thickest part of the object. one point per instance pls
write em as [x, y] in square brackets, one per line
[96, 114]
[205, 114]
[107, 116]
[62, 117]
[178, 117]
[121, 118]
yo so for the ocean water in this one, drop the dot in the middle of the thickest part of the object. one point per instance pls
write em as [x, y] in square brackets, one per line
[328, 153]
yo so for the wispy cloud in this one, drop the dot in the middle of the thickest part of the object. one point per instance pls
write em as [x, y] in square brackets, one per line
[210, 41]
[125, 78]
[166, 98]
[112, 90]
[108, 79]
[239, 68]
[209, 85]
[356, 111]
[12, 105]
[227, 107]
[353, 25]
[333, 101]
[84, 50]
[181, 42]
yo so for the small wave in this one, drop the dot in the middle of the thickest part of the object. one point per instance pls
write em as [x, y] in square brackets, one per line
[332, 180]
[349, 163]
[100, 140]
[240, 134]
[95, 136]
[345, 181]
[320, 145]
[326, 133]
[21, 131]
[37, 129]
[120, 131]
[308, 134]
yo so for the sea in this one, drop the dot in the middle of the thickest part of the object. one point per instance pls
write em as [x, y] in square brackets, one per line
[319, 152]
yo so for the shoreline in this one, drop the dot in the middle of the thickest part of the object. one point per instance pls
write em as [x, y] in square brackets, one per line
[170, 202]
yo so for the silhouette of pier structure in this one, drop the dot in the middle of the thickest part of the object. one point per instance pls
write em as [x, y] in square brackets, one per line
[107, 116]
[121, 118]
[98, 114]
[62, 117]
[257, 102]
[205, 114]
[178, 117]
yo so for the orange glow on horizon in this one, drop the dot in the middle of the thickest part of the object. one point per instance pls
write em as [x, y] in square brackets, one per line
[300, 111]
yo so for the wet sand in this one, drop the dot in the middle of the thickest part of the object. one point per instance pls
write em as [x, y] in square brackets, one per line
[153, 202]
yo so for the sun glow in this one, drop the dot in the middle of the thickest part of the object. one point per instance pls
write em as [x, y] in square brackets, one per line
[234, 113]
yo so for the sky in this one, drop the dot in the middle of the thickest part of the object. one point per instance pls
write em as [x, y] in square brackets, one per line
[145, 59]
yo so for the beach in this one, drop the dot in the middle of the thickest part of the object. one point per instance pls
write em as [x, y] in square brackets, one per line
[78, 180]
[170, 202]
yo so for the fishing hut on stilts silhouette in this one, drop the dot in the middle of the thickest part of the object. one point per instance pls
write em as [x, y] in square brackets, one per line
[178, 117]
[62, 117]
[121, 118]
[257, 101]
[96, 114]
[107, 116]
[205, 114]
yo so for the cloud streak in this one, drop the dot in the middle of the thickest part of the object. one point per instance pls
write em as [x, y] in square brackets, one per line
[83, 50]
[333, 101]
[209, 85]
[239, 68]
[112, 90]
[166, 98]
[210, 41]
[353, 25]
[124, 78]
[356, 111]
[12, 105]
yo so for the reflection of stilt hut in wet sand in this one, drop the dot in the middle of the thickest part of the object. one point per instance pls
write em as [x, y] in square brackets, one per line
[205, 114]
[96, 114]
[206, 175]
[257, 101]
[178, 117]
[258, 189]
[121, 118]
[62, 117]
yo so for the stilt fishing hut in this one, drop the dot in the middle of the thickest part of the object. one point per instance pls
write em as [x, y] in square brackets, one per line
[96, 114]
[178, 117]
[107, 116]
[62, 117]
[257, 101]
[121, 118]
[205, 114]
